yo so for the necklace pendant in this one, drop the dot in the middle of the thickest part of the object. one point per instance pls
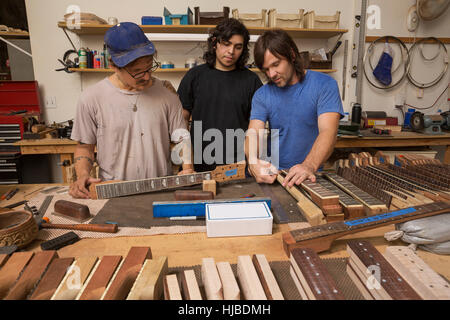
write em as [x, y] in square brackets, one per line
[134, 108]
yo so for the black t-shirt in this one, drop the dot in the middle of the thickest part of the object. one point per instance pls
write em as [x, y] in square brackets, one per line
[220, 100]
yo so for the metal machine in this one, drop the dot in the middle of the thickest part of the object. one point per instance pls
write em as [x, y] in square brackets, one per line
[428, 124]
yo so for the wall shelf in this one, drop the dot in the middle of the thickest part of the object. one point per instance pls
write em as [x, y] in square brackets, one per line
[174, 70]
[99, 29]
[408, 39]
[14, 35]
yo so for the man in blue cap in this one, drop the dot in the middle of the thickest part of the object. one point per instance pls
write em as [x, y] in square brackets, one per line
[129, 116]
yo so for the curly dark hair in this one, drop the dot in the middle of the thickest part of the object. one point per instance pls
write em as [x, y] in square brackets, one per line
[223, 32]
[281, 45]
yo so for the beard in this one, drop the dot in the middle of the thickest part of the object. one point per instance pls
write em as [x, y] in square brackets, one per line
[285, 80]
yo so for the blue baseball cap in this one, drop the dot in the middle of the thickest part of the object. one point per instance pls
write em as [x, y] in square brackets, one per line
[127, 42]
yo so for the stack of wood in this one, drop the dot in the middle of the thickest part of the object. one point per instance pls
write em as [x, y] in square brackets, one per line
[369, 185]
[40, 131]
[398, 275]
[328, 200]
[254, 274]
[413, 180]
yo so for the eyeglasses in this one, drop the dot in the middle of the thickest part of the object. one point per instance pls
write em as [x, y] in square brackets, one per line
[140, 75]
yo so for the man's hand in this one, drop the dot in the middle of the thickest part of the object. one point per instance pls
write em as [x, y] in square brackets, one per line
[263, 171]
[79, 190]
[186, 171]
[299, 173]
[168, 85]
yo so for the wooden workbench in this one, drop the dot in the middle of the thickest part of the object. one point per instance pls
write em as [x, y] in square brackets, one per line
[66, 147]
[189, 249]
[398, 139]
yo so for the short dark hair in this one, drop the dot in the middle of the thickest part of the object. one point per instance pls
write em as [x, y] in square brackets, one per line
[223, 32]
[281, 45]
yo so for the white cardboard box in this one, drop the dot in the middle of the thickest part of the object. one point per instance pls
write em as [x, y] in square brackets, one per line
[238, 219]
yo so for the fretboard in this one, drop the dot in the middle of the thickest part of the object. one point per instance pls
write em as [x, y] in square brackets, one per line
[125, 188]
[390, 282]
[317, 234]
[359, 194]
[317, 283]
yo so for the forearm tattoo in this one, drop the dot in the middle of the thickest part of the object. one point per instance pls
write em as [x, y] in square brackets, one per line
[84, 157]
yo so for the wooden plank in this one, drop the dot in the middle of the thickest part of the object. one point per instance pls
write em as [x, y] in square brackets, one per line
[31, 275]
[3, 259]
[313, 275]
[310, 211]
[367, 279]
[191, 290]
[149, 283]
[249, 280]
[171, 288]
[126, 275]
[12, 269]
[297, 283]
[335, 217]
[52, 278]
[361, 287]
[211, 280]
[388, 280]
[268, 281]
[98, 280]
[230, 286]
[210, 185]
[424, 280]
[74, 279]
[15, 34]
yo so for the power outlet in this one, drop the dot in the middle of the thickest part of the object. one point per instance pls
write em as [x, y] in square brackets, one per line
[50, 102]
[419, 93]
[448, 96]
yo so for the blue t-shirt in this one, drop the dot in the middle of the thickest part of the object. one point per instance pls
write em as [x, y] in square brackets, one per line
[294, 111]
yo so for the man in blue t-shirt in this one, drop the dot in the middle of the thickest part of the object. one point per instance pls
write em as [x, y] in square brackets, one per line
[302, 107]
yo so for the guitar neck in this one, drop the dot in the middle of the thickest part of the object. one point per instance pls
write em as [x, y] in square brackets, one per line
[126, 188]
[390, 285]
[313, 276]
[321, 237]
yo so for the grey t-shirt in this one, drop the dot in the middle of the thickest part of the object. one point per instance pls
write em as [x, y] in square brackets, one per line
[130, 144]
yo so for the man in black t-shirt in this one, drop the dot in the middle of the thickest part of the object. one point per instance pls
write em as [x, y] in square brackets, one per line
[218, 96]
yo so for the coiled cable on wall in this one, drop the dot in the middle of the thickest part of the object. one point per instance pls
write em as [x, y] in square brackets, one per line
[405, 53]
[418, 45]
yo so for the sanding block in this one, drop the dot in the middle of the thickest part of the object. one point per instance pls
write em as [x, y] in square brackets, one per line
[61, 241]
[181, 195]
[72, 210]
